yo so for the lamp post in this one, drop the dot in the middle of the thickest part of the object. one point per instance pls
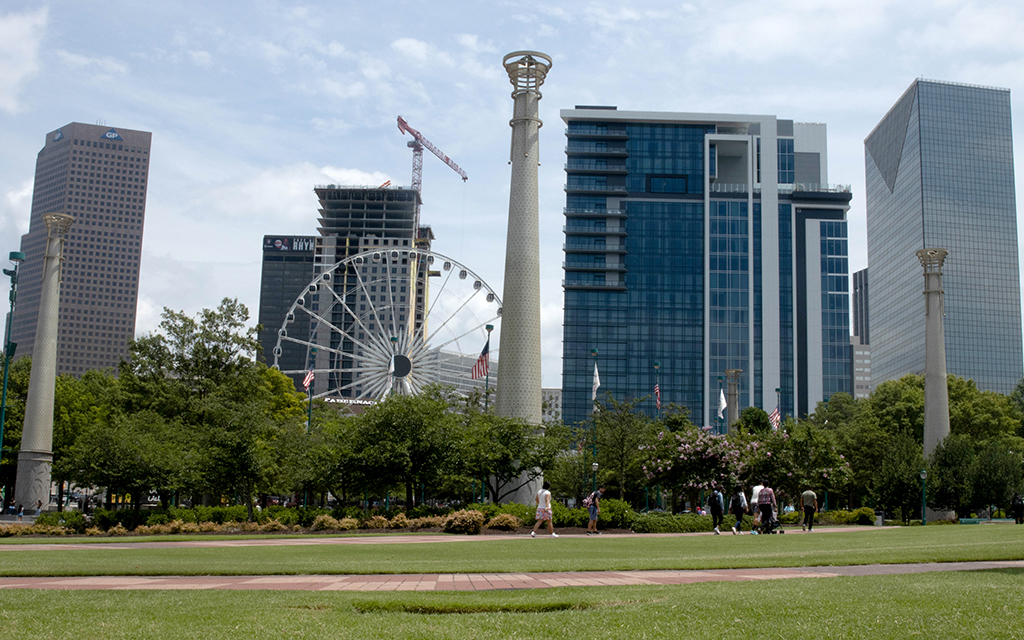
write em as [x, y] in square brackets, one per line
[487, 374]
[593, 444]
[16, 258]
[594, 468]
[924, 497]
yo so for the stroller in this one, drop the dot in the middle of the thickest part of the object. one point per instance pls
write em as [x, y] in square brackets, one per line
[770, 525]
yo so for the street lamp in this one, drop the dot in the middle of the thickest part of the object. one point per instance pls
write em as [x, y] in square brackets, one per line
[924, 497]
[594, 467]
[16, 258]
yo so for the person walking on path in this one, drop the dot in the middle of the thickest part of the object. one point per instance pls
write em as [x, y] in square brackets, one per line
[543, 500]
[1017, 506]
[717, 508]
[810, 502]
[594, 508]
[39, 507]
[754, 511]
[766, 505]
[21, 512]
[738, 507]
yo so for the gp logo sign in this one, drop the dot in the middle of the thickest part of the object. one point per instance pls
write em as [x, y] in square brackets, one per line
[112, 135]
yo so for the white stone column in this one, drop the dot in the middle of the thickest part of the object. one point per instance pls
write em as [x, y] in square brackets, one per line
[936, 390]
[36, 455]
[519, 387]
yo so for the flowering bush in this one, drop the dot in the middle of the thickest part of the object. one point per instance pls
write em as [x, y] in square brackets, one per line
[465, 521]
[692, 460]
[505, 522]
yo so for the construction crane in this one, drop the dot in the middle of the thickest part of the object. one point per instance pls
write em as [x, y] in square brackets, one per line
[417, 144]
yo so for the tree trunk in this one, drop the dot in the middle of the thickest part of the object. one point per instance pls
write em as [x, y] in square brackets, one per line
[248, 499]
[408, 496]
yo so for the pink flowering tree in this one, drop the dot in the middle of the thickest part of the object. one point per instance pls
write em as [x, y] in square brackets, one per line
[798, 456]
[691, 460]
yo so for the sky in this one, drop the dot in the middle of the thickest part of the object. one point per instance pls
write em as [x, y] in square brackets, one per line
[251, 104]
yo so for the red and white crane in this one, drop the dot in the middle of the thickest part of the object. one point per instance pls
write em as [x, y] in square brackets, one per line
[417, 144]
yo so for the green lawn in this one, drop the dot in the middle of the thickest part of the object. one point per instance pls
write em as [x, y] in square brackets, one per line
[481, 555]
[981, 604]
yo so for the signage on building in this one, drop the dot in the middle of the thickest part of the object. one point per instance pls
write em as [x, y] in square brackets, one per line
[272, 243]
[57, 136]
[112, 135]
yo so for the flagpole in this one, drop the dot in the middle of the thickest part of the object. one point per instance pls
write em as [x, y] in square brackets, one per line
[593, 400]
[309, 415]
[657, 387]
[487, 376]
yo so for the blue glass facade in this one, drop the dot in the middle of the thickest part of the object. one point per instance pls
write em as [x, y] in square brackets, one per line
[939, 171]
[664, 262]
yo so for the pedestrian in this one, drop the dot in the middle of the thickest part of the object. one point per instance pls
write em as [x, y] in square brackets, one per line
[766, 505]
[738, 507]
[717, 509]
[594, 508]
[1017, 506]
[754, 511]
[543, 500]
[810, 502]
[21, 512]
[39, 507]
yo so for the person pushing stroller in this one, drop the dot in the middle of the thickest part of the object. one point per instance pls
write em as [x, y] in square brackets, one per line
[767, 506]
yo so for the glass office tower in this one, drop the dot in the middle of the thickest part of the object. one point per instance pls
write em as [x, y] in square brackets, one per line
[940, 174]
[688, 245]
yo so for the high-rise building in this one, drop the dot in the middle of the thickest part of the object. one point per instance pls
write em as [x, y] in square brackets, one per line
[287, 270]
[703, 242]
[99, 175]
[861, 317]
[940, 175]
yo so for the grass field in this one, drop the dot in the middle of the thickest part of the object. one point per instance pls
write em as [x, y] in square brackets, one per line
[980, 604]
[896, 545]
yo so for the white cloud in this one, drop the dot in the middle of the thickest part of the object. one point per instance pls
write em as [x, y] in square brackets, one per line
[102, 65]
[15, 210]
[20, 37]
[201, 58]
[344, 90]
[412, 48]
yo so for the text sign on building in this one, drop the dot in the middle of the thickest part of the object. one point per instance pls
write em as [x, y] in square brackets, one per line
[288, 244]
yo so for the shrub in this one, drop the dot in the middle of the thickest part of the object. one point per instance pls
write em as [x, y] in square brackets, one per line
[117, 530]
[466, 521]
[324, 522]
[505, 522]
[73, 521]
[563, 516]
[210, 527]
[400, 521]
[94, 531]
[158, 517]
[348, 524]
[190, 527]
[376, 522]
[681, 523]
[340, 513]
[305, 517]
[615, 514]
[428, 522]
[525, 513]
[489, 509]
[272, 526]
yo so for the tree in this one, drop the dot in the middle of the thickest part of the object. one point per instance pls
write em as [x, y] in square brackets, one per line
[980, 414]
[996, 474]
[950, 482]
[817, 463]
[621, 429]
[897, 482]
[754, 420]
[897, 406]
[692, 460]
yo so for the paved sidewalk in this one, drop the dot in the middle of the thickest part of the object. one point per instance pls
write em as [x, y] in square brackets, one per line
[483, 581]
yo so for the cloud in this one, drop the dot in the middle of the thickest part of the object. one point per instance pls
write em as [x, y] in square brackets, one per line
[20, 37]
[15, 210]
[201, 58]
[105, 65]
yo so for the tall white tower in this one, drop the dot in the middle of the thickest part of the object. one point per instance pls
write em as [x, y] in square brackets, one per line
[36, 455]
[519, 393]
[936, 389]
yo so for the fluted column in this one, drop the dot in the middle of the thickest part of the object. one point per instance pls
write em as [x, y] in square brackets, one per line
[936, 390]
[518, 394]
[36, 455]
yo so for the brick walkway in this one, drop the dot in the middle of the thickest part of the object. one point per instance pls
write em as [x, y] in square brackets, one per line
[482, 581]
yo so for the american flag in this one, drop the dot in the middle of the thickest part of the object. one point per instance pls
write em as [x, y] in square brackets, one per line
[483, 363]
[657, 394]
[775, 418]
[308, 380]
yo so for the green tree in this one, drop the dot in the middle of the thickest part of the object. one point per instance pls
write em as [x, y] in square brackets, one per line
[950, 482]
[692, 460]
[897, 406]
[754, 420]
[897, 483]
[14, 419]
[996, 474]
[621, 429]
[980, 414]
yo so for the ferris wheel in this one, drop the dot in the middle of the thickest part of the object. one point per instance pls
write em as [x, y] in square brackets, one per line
[386, 321]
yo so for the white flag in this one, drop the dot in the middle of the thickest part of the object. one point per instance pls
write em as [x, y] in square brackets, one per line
[597, 383]
[721, 404]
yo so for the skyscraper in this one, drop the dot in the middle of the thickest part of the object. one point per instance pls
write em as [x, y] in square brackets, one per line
[99, 175]
[287, 269]
[703, 242]
[940, 175]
